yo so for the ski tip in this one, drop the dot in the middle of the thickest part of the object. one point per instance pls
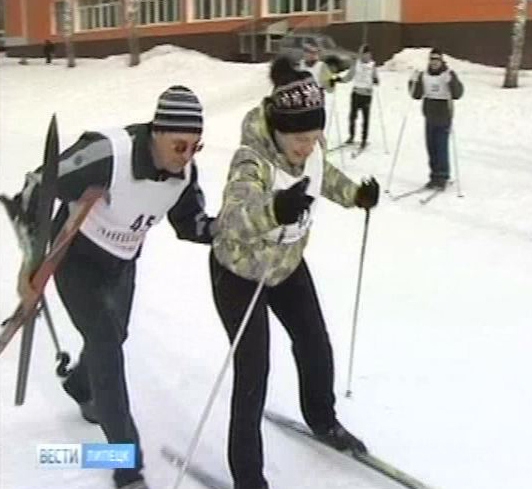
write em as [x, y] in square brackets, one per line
[52, 125]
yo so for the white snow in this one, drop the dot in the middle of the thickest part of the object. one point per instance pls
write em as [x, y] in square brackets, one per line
[442, 358]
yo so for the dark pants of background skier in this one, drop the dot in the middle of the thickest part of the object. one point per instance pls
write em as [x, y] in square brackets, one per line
[99, 301]
[437, 140]
[296, 305]
[363, 103]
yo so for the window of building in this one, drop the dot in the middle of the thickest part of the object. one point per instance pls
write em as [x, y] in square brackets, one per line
[99, 14]
[218, 9]
[297, 6]
[158, 11]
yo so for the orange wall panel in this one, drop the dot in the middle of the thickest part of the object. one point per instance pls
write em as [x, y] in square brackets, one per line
[37, 25]
[39, 16]
[12, 15]
[426, 11]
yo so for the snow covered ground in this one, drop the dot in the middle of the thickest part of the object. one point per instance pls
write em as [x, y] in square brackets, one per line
[442, 359]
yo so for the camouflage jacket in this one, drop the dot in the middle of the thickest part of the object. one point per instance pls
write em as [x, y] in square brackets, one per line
[247, 214]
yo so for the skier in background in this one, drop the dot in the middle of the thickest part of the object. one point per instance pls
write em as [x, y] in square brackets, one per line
[317, 68]
[438, 86]
[363, 72]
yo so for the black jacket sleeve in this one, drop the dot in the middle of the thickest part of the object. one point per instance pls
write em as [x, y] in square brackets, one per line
[456, 86]
[86, 163]
[415, 87]
[188, 216]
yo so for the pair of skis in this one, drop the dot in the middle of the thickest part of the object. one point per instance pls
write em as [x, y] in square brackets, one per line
[356, 149]
[293, 427]
[41, 261]
[427, 194]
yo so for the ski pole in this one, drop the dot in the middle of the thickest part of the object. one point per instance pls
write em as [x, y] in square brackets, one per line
[455, 151]
[338, 133]
[218, 382]
[456, 166]
[332, 111]
[348, 392]
[383, 128]
[400, 138]
[62, 357]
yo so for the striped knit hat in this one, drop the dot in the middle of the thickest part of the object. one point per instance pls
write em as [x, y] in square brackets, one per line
[178, 110]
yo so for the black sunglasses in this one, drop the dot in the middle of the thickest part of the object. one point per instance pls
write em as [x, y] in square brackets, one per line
[181, 146]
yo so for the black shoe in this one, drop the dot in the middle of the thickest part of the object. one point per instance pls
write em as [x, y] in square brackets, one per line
[440, 184]
[430, 184]
[88, 412]
[82, 395]
[339, 438]
[363, 144]
[138, 484]
[349, 140]
[265, 486]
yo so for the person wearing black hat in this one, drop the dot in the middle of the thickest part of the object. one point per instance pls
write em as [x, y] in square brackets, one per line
[438, 86]
[275, 182]
[363, 72]
[149, 172]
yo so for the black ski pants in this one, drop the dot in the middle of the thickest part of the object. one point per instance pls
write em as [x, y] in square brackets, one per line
[362, 103]
[296, 305]
[437, 140]
[98, 302]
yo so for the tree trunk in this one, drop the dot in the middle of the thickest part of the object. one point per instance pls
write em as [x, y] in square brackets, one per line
[518, 41]
[131, 9]
[68, 28]
[24, 14]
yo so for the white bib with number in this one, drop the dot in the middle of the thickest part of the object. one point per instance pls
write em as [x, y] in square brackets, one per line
[120, 225]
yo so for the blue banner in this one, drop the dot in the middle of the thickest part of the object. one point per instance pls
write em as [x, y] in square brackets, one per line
[107, 456]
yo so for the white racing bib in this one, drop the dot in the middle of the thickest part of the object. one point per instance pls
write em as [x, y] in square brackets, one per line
[363, 75]
[436, 86]
[314, 70]
[282, 180]
[120, 226]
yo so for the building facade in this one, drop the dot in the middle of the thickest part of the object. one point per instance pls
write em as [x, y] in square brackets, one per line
[244, 30]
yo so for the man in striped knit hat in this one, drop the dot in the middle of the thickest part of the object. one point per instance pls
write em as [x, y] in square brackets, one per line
[149, 172]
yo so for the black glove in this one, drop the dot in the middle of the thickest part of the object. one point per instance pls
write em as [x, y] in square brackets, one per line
[334, 80]
[290, 204]
[367, 194]
[452, 77]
